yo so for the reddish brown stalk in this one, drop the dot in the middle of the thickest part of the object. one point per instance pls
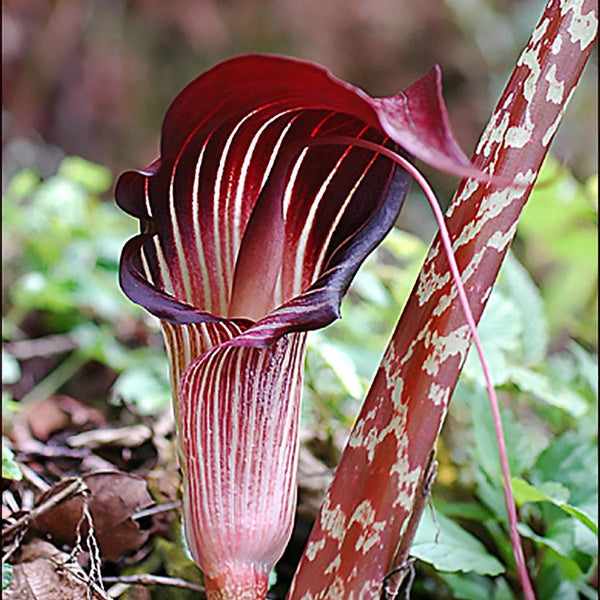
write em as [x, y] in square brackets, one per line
[364, 518]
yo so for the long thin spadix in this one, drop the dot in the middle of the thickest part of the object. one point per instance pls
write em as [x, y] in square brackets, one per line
[462, 295]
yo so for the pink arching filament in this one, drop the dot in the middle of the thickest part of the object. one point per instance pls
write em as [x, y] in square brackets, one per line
[455, 272]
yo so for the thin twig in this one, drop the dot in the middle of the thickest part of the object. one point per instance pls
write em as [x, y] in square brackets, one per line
[75, 487]
[44, 346]
[74, 569]
[33, 478]
[147, 579]
[154, 510]
[55, 379]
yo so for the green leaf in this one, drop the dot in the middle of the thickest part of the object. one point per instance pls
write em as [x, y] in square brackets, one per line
[93, 178]
[272, 577]
[520, 287]
[559, 227]
[543, 388]
[448, 547]
[341, 365]
[571, 460]
[464, 510]
[522, 448]
[559, 539]
[22, 184]
[471, 586]
[145, 385]
[7, 574]
[10, 368]
[490, 492]
[468, 587]
[499, 332]
[587, 364]
[10, 468]
[552, 585]
[552, 492]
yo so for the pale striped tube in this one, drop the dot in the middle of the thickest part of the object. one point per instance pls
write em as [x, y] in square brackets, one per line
[237, 420]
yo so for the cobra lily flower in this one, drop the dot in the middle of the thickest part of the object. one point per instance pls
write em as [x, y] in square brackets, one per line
[258, 213]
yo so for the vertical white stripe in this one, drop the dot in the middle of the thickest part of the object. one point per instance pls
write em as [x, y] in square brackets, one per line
[340, 214]
[185, 276]
[196, 202]
[240, 191]
[163, 268]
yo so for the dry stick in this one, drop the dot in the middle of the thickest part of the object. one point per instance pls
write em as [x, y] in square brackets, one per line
[147, 579]
[45, 346]
[74, 570]
[464, 302]
[154, 510]
[75, 487]
[55, 379]
[33, 478]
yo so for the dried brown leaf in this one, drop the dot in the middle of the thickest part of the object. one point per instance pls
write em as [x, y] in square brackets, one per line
[45, 573]
[114, 497]
[57, 413]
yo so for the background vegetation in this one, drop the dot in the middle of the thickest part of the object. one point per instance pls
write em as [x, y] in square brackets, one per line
[92, 79]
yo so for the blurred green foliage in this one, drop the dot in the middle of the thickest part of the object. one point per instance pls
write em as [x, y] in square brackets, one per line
[10, 468]
[61, 249]
[7, 574]
[61, 246]
[559, 230]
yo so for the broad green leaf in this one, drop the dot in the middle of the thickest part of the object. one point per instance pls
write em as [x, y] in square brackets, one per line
[522, 448]
[559, 539]
[572, 461]
[552, 585]
[585, 540]
[499, 332]
[555, 545]
[341, 366]
[534, 338]
[470, 586]
[544, 388]
[448, 547]
[146, 386]
[464, 510]
[549, 491]
[552, 492]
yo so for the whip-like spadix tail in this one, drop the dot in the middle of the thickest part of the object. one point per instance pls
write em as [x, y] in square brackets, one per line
[464, 302]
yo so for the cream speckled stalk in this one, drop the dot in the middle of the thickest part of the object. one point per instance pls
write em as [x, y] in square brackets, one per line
[356, 538]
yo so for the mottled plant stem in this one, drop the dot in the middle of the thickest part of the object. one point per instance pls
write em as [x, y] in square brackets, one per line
[365, 515]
